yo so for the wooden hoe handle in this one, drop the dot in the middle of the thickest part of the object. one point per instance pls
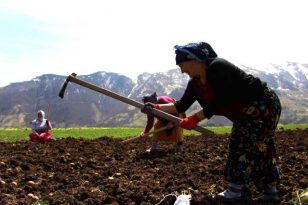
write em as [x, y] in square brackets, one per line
[126, 100]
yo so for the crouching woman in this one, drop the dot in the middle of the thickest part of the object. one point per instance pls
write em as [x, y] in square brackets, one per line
[41, 128]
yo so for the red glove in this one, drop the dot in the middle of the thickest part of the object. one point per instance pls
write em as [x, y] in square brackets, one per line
[148, 107]
[189, 122]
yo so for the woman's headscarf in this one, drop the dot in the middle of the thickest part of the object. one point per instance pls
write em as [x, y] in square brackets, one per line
[150, 98]
[43, 114]
[200, 52]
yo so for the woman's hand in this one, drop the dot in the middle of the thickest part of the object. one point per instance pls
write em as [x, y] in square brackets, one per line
[148, 108]
[189, 122]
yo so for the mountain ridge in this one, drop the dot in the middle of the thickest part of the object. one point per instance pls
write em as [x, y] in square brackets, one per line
[83, 107]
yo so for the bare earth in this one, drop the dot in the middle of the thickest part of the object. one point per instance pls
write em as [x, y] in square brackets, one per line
[106, 171]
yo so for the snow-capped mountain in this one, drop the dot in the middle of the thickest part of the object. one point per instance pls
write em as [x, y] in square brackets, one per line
[83, 107]
[288, 76]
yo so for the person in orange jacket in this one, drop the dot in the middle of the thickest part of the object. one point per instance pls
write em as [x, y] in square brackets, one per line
[221, 88]
[174, 133]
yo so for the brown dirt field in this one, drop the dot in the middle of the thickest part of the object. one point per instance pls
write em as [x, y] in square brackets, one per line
[106, 171]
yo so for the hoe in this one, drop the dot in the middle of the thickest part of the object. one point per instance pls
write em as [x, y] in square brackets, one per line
[156, 112]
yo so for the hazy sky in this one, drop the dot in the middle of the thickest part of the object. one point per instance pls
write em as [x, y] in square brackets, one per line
[135, 36]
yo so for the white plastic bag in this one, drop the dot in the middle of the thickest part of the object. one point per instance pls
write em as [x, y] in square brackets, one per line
[183, 199]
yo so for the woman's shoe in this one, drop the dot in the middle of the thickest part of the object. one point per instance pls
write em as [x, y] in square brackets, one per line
[179, 147]
[153, 147]
[268, 197]
[228, 194]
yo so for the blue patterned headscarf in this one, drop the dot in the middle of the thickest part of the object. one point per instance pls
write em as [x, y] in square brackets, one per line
[200, 52]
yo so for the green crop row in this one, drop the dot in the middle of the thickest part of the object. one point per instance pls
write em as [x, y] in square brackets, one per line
[17, 134]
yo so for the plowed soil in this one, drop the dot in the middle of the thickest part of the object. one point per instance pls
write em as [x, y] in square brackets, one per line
[106, 171]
